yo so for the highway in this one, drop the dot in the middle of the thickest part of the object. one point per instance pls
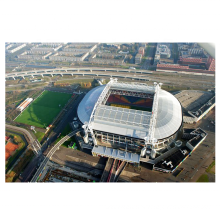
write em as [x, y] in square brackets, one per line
[74, 70]
[128, 75]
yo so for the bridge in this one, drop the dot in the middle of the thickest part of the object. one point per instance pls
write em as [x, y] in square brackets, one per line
[50, 154]
[92, 71]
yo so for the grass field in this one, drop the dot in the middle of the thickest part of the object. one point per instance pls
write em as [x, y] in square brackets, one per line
[39, 135]
[211, 168]
[203, 178]
[44, 109]
[66, 131]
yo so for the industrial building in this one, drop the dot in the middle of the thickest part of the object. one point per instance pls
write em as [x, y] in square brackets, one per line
[129, 121]
[80, 47]
[138, 58]
[141, 51]
[11, 48]
[162, 51]
[210, 64]
[196, 104]
[108, 58]
[47, 47]
[31, 55]
[68, 56]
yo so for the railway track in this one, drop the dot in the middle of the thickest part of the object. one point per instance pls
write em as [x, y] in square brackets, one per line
[112, 170]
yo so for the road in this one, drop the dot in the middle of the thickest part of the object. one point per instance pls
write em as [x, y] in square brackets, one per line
[150, 56]
[34, 143]
[50, 154]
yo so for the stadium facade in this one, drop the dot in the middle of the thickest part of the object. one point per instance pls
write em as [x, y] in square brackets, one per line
[129, 121]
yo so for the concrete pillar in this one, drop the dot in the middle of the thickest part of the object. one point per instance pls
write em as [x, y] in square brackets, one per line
[86, 139]
[72, 74]
[91, 70]
[32, 76]
[83, 74]
[52, 75]
[13, 77]
[23, 77]
[105, 70]
[94, 141]
[117, 70]
[66, 71]
[61, 75]
[42, 75]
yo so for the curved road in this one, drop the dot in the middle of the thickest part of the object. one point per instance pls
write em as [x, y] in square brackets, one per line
[22, 130]
[50, 154]
[34, 143]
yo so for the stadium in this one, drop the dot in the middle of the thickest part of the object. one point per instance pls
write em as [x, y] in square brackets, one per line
[129, 121]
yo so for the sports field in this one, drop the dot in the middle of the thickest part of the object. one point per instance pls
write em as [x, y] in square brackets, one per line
[44, 109]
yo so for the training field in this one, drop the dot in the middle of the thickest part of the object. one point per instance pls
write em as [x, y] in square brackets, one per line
[44, 109]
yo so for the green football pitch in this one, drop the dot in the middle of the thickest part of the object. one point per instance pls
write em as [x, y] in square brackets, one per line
[44, 109]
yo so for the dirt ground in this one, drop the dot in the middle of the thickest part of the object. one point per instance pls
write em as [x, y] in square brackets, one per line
[9, 149]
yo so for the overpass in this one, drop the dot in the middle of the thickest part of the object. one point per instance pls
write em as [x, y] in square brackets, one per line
[50, 154]
[92, 71]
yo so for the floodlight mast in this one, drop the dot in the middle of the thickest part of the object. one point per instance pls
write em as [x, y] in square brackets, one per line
[88, 127]
[150, 140]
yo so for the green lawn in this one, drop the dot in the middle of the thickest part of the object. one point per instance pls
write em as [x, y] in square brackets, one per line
[39, 135]
[209, 169]
[44, 109]
[65, 131]
[203, 178]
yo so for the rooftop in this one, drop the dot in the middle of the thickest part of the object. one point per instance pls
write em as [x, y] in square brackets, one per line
[130, 122]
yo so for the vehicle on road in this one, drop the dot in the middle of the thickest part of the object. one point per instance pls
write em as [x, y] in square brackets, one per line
[59, 135]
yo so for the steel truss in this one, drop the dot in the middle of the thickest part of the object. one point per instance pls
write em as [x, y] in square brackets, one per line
[150, 140]
[130, 93]
[138, 87]
[105, 91]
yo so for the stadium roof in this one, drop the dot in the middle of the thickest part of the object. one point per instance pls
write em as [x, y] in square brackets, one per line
[130, 122]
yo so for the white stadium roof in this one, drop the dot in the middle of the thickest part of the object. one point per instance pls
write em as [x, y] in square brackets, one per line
[130, 122]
